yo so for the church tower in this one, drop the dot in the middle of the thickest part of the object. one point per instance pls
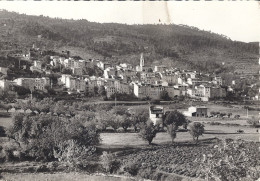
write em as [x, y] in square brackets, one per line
[142, 61]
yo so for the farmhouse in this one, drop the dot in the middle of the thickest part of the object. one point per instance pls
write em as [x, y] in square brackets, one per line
[196, 111]
[156, 114]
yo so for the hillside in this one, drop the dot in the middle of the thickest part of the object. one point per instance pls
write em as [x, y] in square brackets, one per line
[182, 46]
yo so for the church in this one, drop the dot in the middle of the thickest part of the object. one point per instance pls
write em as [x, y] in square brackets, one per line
[142, 67]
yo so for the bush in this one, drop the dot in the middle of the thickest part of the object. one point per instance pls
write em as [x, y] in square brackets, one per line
[71, 151]
[44, 137]
[254, 122]
[109, 163]
[131, 168]
[237, 116]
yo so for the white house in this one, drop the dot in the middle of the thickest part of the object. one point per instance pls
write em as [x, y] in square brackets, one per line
[199, 111]
[156, 114]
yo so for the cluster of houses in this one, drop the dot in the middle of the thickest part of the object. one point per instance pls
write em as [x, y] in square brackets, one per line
[142, 81]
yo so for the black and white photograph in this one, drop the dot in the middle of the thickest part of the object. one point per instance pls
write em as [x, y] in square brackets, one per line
[129, 90]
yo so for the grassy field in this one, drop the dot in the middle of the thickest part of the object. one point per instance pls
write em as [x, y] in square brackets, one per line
[212, 131]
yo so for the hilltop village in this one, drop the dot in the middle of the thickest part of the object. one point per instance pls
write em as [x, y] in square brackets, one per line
[92, 77]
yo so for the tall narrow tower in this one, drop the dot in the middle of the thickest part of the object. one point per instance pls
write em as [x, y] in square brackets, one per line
[141, 61]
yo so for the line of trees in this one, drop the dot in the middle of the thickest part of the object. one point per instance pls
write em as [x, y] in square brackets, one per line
[70, 131]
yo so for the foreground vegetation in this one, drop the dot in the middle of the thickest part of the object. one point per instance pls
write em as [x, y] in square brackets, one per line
[57, 137]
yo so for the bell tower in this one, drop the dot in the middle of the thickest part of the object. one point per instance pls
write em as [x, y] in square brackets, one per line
[142, 61]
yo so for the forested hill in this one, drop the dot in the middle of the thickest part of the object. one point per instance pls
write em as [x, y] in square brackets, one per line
[182, 46]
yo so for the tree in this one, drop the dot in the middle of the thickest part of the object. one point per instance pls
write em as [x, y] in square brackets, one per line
[172, 121]
[102, 119]
[171, 129]
[164, 96]
[148, 131]
[66, 71]
[126, 121]
[102, 91]
[95, 90]
[196, 130]
[45, 137]
[139, 116]
[114, 121]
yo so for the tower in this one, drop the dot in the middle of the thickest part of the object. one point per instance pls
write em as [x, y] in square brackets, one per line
[142, 61]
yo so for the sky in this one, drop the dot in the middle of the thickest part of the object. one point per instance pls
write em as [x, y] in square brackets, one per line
[238, 20]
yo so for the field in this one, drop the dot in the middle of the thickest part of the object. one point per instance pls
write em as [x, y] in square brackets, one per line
[212, 131]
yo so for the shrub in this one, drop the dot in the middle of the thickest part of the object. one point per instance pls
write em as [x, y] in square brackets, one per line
[237, 116]
[254, 122]
[71, 151]
[109, 163]
[131, 168]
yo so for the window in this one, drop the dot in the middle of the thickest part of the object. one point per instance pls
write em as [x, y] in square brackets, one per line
[157, 115]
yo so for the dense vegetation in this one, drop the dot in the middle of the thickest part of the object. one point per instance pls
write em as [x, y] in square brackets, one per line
[174, 44]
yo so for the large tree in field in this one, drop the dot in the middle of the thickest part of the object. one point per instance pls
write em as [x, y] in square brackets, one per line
[196, 130]
[148, 131]
[172, 121]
